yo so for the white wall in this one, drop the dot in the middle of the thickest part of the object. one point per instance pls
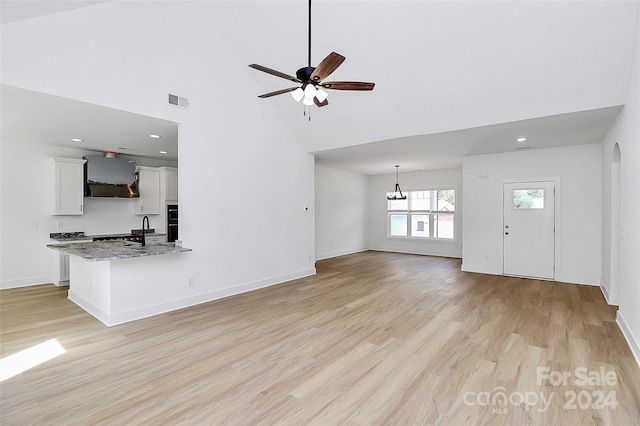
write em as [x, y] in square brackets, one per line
[379, 185]
[341, 212]
[244, 180]
[577, 170]
[27, 198]
[626, 133]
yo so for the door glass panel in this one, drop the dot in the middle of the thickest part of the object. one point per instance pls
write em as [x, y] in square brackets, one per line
[398, 225]
[528, 198]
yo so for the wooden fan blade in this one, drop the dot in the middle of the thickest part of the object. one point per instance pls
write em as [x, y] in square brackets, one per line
[348, 85]
[276, 73]
[277, 92]
[327, 66]
[320, 104]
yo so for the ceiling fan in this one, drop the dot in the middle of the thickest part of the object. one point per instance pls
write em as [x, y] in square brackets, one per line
[311, 78]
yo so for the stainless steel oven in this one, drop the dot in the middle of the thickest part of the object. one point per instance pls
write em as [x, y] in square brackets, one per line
[172, 222]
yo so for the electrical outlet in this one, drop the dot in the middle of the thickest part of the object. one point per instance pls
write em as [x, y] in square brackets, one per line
[60, 224]
[34, 225]
[191, 282]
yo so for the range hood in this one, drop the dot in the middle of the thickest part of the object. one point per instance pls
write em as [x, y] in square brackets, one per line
[110, 176]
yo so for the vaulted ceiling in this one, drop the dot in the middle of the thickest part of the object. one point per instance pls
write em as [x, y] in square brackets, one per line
[453, 78]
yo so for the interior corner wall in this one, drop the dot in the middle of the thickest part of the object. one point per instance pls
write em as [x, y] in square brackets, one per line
[626, 133]
[577, 171]
[341, 212]
[380, 185]
[120, 55]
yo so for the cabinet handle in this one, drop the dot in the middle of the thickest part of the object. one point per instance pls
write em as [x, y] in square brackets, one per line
[80, 207]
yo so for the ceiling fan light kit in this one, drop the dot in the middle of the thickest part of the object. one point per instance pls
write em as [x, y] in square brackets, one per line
[298, 94]
[312, 89]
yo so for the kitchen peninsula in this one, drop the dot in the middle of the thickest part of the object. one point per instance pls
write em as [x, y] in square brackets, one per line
[118, 281]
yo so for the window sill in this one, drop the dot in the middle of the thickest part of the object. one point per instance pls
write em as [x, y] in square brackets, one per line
[424, 240]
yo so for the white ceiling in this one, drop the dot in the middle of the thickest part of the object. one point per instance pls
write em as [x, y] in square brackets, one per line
[453, 78]
[33, 117]
[17, 10]
[446, 150]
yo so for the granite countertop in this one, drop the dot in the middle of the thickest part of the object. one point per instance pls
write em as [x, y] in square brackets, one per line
[112, 250]
[80, 236]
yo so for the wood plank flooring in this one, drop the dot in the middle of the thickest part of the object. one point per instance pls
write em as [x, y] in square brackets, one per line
[373, 339]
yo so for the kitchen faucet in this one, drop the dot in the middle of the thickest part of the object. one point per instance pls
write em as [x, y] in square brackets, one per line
[143, 219]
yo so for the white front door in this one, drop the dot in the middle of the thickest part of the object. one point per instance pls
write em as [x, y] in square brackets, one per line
[529, 229]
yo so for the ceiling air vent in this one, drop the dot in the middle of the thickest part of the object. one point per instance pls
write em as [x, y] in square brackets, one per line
[178, 101]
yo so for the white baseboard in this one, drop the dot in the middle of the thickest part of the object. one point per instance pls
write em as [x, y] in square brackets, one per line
[610, 298]
[339, 253]
[448, 256]
[99, 314]
[605, 293]
[633, 343]
[24, 282]
[479, 269]
[123, 317]
[576, 279]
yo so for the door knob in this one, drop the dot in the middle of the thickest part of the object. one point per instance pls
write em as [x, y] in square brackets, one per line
[506, 233]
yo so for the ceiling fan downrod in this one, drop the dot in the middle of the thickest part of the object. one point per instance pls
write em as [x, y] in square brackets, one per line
[309, 56]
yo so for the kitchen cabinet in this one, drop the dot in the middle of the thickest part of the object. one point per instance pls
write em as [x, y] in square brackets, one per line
[68, 186]
[61, 267]
[64, 270]
[170, 185]
[149, 187]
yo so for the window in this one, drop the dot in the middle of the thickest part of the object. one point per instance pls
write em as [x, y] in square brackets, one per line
[424, 214]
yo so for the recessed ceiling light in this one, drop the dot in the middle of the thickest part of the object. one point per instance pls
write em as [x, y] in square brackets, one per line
[77, 140]
[155, 136]
[163, 152]
[521, 139]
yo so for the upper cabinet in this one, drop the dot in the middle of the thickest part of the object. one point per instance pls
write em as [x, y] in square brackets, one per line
[169, 185]
[149, 187]
[68, 186]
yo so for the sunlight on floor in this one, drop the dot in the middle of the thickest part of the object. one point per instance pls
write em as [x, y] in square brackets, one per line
[29, 358]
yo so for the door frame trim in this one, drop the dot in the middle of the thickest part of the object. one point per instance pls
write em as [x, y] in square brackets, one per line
[557, 272]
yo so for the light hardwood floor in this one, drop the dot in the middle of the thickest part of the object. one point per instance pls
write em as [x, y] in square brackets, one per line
[373, 338]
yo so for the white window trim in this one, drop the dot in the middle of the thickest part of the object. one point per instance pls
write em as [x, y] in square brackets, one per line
[429, 213]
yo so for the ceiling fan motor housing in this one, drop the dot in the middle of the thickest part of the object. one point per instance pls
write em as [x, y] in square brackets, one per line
[304, 74]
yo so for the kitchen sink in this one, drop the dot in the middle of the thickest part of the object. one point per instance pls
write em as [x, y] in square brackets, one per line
[138, 232]
[133, 244]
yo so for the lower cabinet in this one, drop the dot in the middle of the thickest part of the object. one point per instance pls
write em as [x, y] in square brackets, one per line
[61, 267]
[64, 269]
